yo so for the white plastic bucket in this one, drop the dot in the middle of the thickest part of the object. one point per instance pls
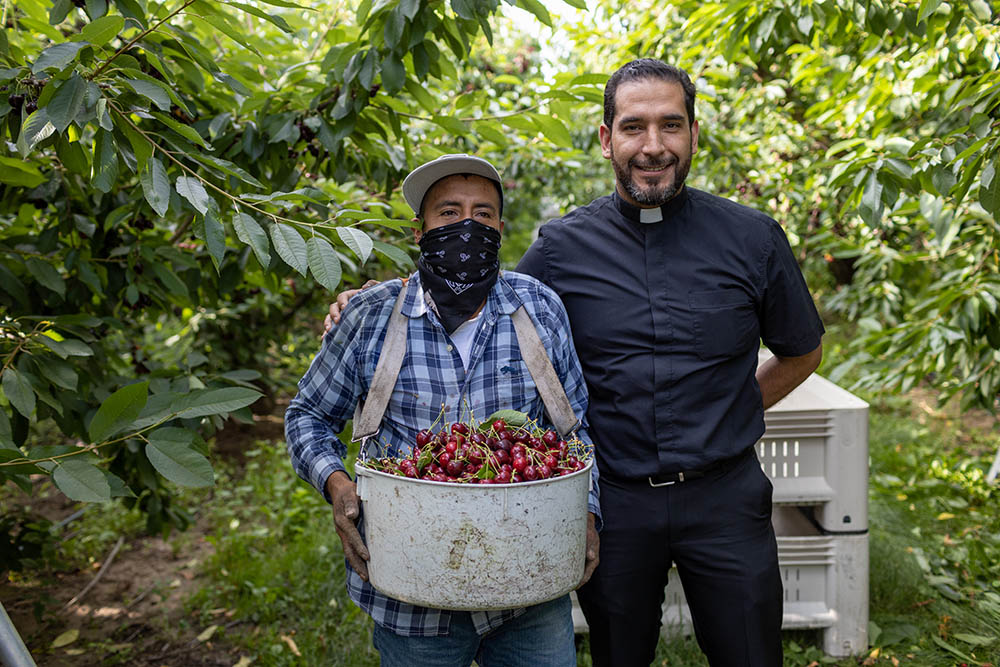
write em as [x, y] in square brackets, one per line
[474, 546]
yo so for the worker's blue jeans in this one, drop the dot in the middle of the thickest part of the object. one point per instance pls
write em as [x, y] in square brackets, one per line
[540, 637]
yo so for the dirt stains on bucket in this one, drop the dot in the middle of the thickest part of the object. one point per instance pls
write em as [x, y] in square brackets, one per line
[468, 533]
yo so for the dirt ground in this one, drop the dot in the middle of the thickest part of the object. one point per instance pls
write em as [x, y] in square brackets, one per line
[132, 611]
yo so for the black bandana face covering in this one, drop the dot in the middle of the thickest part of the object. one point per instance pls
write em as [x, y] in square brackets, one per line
[458, 265]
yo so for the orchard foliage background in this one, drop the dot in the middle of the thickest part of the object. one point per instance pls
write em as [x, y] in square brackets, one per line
[183, 185]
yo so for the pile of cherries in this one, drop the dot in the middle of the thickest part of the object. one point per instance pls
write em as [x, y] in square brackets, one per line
[490, 453]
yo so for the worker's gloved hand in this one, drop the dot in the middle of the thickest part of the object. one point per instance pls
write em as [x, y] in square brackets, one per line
[346, 510]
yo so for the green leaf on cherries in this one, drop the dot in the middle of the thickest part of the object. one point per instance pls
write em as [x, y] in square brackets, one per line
[426, 457]
[511, 418]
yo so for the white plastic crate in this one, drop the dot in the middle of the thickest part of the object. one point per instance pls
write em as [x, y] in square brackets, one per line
[815, 450]
[825, 582]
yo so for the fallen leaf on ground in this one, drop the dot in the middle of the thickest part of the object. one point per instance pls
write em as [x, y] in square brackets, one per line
[66, 638]
[207, 633]
[291, 645]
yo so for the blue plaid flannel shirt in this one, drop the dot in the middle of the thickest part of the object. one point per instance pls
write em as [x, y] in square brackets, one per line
[432, 375]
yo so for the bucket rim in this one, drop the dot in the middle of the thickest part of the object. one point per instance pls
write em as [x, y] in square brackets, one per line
[368, 472]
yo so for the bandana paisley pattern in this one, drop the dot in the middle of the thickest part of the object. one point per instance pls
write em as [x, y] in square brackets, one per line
[458, 265]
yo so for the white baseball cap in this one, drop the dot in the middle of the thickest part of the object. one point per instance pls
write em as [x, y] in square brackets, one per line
[419, 181]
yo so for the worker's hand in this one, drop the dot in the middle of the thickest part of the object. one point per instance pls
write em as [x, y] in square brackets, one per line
[593, 549]
[333, 317]
[343, 493]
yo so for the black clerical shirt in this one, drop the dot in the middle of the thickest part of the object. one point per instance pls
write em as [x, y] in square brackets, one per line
[668, 307]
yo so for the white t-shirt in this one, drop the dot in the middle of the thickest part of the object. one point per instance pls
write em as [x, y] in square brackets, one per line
[463, 336]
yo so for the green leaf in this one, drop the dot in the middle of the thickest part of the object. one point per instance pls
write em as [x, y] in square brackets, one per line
[67, 102]
[72, 155]
[989, 188]
[69, 347]
[394, 253]
[150, 91]
[393, 73]
[19, 173]
[105, 162]
[170, 280]
[192, 190]
[553, 129]
[323, 262]
[169, 450]
[18, 391]
[272, 18]
[228, 167]
[185, 131]
[536, 8]
[204, 402]
[510, 417]
[47, 275]
[250, 232]
[118, 411]
[927, 7]
[59, 10]
[579, 4]
[290, 247]
[356, 240]
[81, 481]
[57, 56]
[156, 186]
[215, 238]
[6, 435]
[58, 372]
[36, 128]
[870, 208]
[103, 30]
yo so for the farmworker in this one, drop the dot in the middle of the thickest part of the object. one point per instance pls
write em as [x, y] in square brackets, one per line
[461, 353]
[678, 289]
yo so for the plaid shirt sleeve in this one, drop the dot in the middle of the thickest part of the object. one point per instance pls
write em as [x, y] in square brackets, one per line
[328, 393]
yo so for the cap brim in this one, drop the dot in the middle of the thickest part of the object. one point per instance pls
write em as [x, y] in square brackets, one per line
[420, 180]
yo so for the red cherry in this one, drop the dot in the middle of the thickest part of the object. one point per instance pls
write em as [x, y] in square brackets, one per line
[454, 468]
[459, 427]
[521, 435]
[499, 425]
[502, 456]
[451, 447]
[544, 472]
[517, 450]
[550, 438]
[423, 437]
[504, 434]
[505, 444]
[516, 477]
[444, 459]
[519, 463]
[530, 472]
[503, 477]
[551, 461]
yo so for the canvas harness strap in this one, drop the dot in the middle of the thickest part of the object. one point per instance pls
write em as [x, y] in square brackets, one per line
[368, 415]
